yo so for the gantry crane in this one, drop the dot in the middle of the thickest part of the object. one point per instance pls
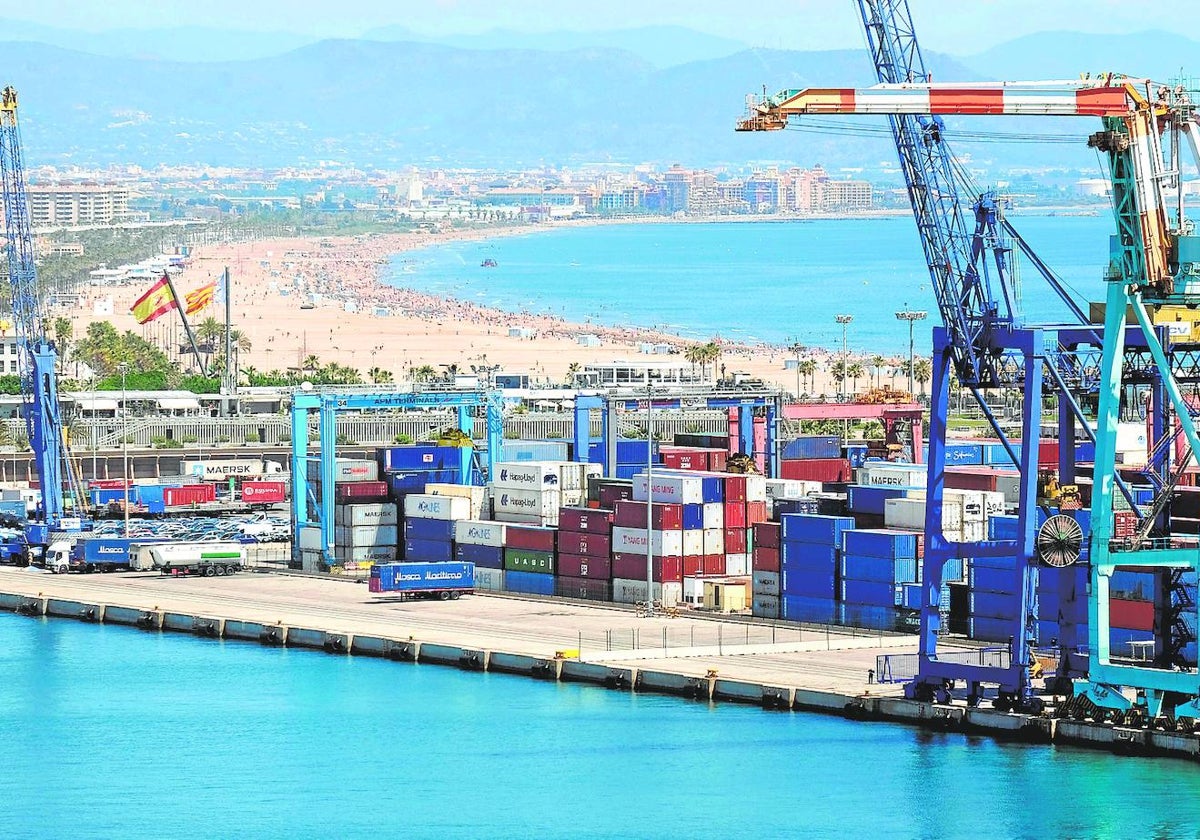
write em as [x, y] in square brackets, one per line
[38, 356]
[984, 339]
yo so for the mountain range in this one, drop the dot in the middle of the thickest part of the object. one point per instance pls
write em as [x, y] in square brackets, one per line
[383, 103]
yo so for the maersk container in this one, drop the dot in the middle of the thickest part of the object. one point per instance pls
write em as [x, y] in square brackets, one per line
[992, 604]
[812, 446]
[418, 528]
[815, 528]
[428, 551]
[808, 609]
[437, 507]
[635, 540]
[632, 590]
[878, 569]
[765, 606]
[483, 556]
[527, 560]
[376, 513]
[880, 542]
[886, 474]
[479, 532]
[365, 553]
[365, 535]
[869, 592]
[860, 499]
[765, 583]
[581, 566]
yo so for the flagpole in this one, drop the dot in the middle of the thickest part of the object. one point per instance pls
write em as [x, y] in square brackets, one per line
[230, 382]
[183, 316]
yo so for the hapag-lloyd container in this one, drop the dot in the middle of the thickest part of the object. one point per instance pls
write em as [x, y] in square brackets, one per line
[671, 489]
[437, 507]
[374, 513]
[589, 545]
[578, 566]
[529, 475]
[544, 503]
[478, 532]
[630, 591]
[634, 541]
[585, 520]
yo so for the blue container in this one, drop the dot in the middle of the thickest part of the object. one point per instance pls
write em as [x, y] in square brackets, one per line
[533, 450]
[1118, 640]
[400, 484]
[878, 569]
[783, 506]
[962, 454]
[421, 456]
[441, 530]
[815, 528]
[101, 496]
[863, 499]
[993, 604]
[871, 593]
[629, 452]
[813, 446]
[530, 583]
[693, 517]
[880, 542]
[422, 577]
[114, 550]
[146, 494]
[912, 596]
[1085, 452]
[1002, 527]
[869, 616]
[801, 555]
[16, 507]
[812, 583]
[987, 579]
[994, 562]
[855, 453]
[428, 551]
[991, 629]
[994, 454]
[1143, 495]
[952, 570]
[483, 556]
[627, 470]
[804, 608]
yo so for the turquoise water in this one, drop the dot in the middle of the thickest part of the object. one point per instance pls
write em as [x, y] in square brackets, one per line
[768, 281]
[107, 732]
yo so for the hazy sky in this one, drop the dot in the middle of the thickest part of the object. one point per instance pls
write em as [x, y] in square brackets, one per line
[954, 26]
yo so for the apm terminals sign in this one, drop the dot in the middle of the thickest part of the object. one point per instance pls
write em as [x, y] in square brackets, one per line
[221, 470]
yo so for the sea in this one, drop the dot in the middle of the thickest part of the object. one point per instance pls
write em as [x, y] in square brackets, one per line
[775, 282]
[110, 732]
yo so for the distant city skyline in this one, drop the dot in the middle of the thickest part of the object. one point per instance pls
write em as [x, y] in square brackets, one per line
[948, 26]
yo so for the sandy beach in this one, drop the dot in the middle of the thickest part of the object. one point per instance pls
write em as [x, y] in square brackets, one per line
[358, 321]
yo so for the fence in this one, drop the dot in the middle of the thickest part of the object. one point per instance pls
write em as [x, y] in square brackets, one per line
[902, 667]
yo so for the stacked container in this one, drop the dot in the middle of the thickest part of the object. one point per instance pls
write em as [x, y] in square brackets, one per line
[667, 540]
[809, 561]
[429, 526]
[365, 529]
[529, 559]
[766, 580]
[585, 553]
[874, 565]
[533, 492]
[482, 543]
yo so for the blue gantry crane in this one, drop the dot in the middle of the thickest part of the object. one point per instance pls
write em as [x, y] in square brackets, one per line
[38, 355]
[985, 340]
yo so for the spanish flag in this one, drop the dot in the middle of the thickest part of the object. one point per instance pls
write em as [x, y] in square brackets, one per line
[157, 301]
[196, 300]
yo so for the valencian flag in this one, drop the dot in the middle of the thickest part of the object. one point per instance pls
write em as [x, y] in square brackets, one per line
[156, 302]
[196, 300]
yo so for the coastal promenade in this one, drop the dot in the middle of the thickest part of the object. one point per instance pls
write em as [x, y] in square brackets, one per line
[773, 666]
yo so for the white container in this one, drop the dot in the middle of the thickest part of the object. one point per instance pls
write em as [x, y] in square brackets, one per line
[478, 532]
[424, 506]
[765, 583]
[673, 489]
[894, 475]
[756, 488]
[714, 541]
[693, 542]
[365, 553]
[574, 498]
[693, 591]
[375, 513]
[477, 495]
[573, 476]
[714, 515]
[311, 561]
[765, 606]
[974, 531]
[909, 514]
[993, 503]
[365, 535]
[790, 488]
[310, 539]
[633, 541]
[489, 580]
[527, 475]
[631, 591]
[540, 502]
[346, 470]
[737, 564]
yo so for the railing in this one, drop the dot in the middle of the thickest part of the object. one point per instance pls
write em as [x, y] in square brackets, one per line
[903, 667]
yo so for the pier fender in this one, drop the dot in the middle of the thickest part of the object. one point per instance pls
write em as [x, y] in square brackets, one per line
[32, 606]
[92, 612]
[777, 699]
[862, 708]
[943, 717]
[473, 660]
[209, 627]
[1038, 730]
[337, 643]
[149, 620]
[547, 669]
[273, 636]
[619, 680]
[402, 651]
[696, 688]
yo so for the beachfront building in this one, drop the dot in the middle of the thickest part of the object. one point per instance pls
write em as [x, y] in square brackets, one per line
[67, 205]
[631, 373]
[813, 191]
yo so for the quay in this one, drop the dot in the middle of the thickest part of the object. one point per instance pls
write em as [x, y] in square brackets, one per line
[709, 659]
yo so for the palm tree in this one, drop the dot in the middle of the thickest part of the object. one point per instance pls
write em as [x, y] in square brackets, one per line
[311, 364]
[854, 371]
[808, 367]
[922, 372]
[424, 373]
[379, 376]
[62, 335]
[572, 372]
[877, 363]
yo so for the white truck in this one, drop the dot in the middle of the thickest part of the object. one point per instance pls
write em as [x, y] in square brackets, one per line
[197, 558]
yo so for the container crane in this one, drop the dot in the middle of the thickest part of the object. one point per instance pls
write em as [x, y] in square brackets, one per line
[38, 355]
[984, 339]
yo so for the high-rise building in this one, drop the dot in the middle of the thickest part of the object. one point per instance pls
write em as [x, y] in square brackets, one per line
[65, 205]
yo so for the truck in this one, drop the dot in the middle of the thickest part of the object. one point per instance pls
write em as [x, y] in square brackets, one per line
[92, 554]
[197, 558]
[445, 581]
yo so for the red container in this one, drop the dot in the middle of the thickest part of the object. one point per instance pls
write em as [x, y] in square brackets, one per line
[357, 490]
[264, 492]
[585, 521]
[633, 567]
[714, 564]
[1131, 615]
[106, 484]
[1048, 453]
[974, 478]
[686, 457]
[816, 469]
[735, 540]
[575, 565]
[587, 545]
[587, 589]
[765, 559]
[189, 494]
[756, 512]
[1125, 523]
[693, 565]
[735, 514]
[610, 494]
[667, 517]
[530, 537]
[766, 534]
[735, 489]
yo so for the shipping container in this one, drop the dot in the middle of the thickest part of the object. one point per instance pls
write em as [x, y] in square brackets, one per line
[192, 494]
[878, 569]
[445, 579]
[478, 532]
[671, 489]
[519, 451]
[633, 566]
[608, 494]
[368, 554]
[764, 559]
[887, 474]
[527, 476]
[428, 551]
[635, 541]
[734, 514]
[809, 582]
[756, 512]
[880, 543]
[345, 470]
[365, 535]
[737, 565]
[630, 591]
[870, 593]
[809, 447]
[264, 492]
[528, 560]
[765, 606]
[692, 517]
[814, 528]
[530, 537]
[580, 566]
[765, 583]
[713, 564]
[766, 535]
[352, 491]
[808, 609]
[664, 517]
[713, 541]
[417, 528]
[437, 507]
[483, 556]
[693, 542]
[993, 605]
[489, 579]
[372, 513]
[543, 503]
[735, 541]
[477, 495]
[816, 469]
[1131, 615]
[583, 588]
[419, 457]
[586, 520]
[588, 545]
[780, 507]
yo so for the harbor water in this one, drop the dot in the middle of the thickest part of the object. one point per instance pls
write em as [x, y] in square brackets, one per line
[111, 732]
[773, 282]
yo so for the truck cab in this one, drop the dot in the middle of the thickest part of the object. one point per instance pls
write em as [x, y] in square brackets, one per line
[58, 557]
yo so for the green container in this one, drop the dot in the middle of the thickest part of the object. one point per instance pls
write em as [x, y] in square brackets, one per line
[528, 560]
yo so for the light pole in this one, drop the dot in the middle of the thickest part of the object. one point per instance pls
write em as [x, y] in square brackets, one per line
[124, 368]
[649, 496]
[844, 320]
[797, 348]
[912, 316]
